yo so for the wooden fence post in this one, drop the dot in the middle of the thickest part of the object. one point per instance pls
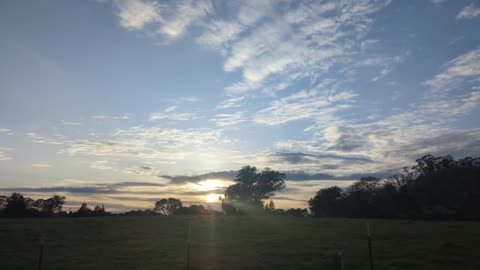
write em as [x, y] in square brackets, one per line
[370, 254]
[40, 257]
[338, 261]
[188, 244]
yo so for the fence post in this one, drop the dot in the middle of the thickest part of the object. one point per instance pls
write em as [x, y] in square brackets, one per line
[370, 254]
[338, 261]
[40, 257]
[188, 244]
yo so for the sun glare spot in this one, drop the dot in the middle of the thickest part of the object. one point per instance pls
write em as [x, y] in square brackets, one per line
[208, 185]
[210, 198]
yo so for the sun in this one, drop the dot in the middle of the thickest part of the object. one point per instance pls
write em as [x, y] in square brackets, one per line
[206, 185]
[211, 198]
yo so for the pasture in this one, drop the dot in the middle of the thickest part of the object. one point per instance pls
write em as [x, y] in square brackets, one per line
[157, 242]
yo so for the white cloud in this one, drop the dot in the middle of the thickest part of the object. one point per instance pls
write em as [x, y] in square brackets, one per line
[151, 143]
[251, 11]
[437, 2]
[186, 13]
[468, 12]
[171, 20]
[171, 116]
[104, 165]
[393, 141]
[189, 99]
[304, 104]
[170, 109]
[219, 33]
[242, 87]
[56, 140]
[232, 102]
[41, 165]
[309, 39]
[68, 123]
[264, 40]
[111, 117]
[461, 70]
[142, 170]
[386, 64]
[6, 131]
[3, 153]
[450, 106]
[456, 90]
[368, 44]
[229, 119]
[135, 14]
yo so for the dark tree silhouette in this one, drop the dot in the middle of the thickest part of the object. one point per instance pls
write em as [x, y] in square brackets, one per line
[366, 184]
[146, 212]
[326, 202]
[270, 206]
[447, 188]
[167, 206]
[84, 210]
[99, 210]
[297, 212]
[16, 205]
[49, 206]
[3, 202]
[436, 187]
[361, 195]
[251, 189]
[194, 209]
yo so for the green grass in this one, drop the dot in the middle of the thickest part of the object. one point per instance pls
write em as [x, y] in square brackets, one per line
[157, 242]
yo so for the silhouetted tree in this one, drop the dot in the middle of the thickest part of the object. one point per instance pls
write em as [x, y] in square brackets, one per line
[361, 194]
[326, 202]
[49, 206]
[3, 202]
[99, 210]
[270, 206]
[16, 205]
[167, 206]
[447, 188]
[228, 208]
[251, 188]
[84, 210]
[146, 212]
[194, 209]
[297, 212]
[436, 187]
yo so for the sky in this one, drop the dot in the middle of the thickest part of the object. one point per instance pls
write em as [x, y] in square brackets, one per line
[124, 102]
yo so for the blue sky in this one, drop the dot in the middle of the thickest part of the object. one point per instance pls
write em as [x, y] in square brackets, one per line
[127, 101]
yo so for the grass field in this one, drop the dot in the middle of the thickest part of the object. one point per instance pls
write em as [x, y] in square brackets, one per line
[157, 242]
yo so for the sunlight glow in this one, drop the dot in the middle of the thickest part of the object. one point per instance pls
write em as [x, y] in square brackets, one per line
[210, 184]
[210, 198]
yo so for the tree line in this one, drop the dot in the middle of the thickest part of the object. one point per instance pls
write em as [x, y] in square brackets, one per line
[173, 206]
[16, 205]
[435, 187]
